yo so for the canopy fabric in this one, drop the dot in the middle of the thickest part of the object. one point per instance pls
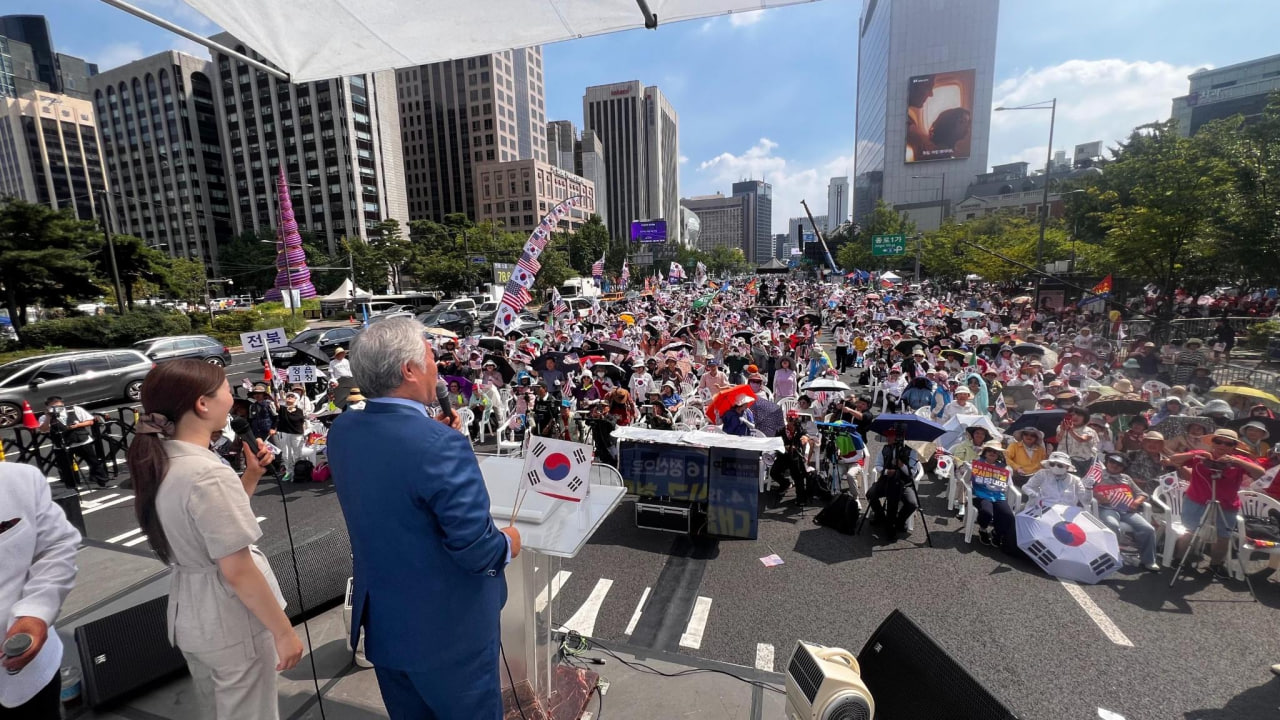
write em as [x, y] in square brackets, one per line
[697, 438]
[321, 39]
[343, 293]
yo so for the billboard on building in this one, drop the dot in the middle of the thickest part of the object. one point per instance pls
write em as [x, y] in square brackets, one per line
[939, 116]
[649, 231]
[1087, 151]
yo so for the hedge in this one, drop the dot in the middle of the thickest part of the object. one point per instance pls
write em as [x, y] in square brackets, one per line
[103, 331]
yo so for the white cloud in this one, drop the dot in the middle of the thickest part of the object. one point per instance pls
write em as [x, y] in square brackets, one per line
[743, 19]
[114, 55]
[180, 13]
[1097, 100]
[791, 182]
[684, 159]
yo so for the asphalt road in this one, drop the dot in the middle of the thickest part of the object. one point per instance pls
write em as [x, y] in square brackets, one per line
[1131, 645]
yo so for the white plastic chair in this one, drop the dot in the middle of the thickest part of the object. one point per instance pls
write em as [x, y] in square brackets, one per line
[1255, 504]
[788, 404]
[693, 417]
[507, 443]
[711, 429]
[467, 417]
[602, 474]
[1168, 497]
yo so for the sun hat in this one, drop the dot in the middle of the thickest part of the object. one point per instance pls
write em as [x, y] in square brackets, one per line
[354, 395]
[1226, 433]
[1118, 459]
[993, 445]
[964, 390]
[1153, 435]
[1057, 458]
[1256, 425]
[1017, 434]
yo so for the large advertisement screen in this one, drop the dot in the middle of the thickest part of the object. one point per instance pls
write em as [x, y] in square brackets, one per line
[649, 231]
[939, 116]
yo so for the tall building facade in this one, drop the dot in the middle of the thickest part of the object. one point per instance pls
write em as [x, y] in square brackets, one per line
[589, 163]
[50, 152]
[33, 31]
[640, 134]
[158, 118]
[561, 137]
[722, 221]
[517, 193]
[28, 61]
[757, 242]
[459, 113]
[1240, 89]
[339, 141]
[925, 75]
[837, 202]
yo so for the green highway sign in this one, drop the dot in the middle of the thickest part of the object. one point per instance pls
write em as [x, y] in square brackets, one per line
[888, 245]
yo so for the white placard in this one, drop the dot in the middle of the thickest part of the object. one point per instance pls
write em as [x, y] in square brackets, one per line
[260, 340]
[301, 373]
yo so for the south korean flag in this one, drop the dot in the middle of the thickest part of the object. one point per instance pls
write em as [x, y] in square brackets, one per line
[558, 469]
[533, 248]
[523, 277]
[505, 317]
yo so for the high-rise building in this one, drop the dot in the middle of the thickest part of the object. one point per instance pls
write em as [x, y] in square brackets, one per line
[49, 152]
[757, 241]
[8, 88]
[561, 137]
[639, 131]
[782, 247]
[925, 74]
[33, 30]
[1240, 89]
[517, 193]
[722, 221]
[158, 118]
[339, 140]
[837, 202]
[28, 60]
[74, 74]
[456, 114]
[589, 163]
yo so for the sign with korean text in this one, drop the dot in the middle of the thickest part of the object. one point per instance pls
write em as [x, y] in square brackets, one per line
[992, 476]
[733, 496]
[882, 245]
[655, 470]
[301, 373]
[260, 340]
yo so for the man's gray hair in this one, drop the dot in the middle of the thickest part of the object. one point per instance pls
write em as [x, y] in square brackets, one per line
[379, 354]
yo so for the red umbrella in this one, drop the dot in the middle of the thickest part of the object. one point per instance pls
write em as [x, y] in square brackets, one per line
[725, 399]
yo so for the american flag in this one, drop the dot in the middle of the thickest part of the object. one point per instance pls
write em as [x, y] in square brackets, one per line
[1094, 475]
[516, 295]
[558, 306]
[530, 264]
[597, 268]
[626, 274]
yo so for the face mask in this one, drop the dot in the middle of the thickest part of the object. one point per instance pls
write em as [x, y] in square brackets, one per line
[1058, 471]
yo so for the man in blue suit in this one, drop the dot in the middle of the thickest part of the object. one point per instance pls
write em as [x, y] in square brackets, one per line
[429, 585]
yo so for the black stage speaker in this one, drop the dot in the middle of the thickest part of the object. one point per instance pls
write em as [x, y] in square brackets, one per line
[124, 652]
[324, 564]
[69, 500]
[911, 677]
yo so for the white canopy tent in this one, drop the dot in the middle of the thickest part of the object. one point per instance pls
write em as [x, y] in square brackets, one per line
[320, 39]
[891, 276]
[343, 293]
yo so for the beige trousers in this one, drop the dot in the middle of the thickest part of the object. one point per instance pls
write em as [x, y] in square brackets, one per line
[238, 682]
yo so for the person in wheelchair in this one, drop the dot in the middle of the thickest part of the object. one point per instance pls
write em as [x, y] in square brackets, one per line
[898, 463]
[792, 465]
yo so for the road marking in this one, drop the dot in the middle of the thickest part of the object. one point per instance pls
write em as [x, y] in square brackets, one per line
[557, 582]
[1109, 715]
[95, 501]
[692, 637]
[764, 657]
[136, 541]
[1095, 614]
[584, 620]
[102, 505]
[635, 616]
[123, 536]
[260, 518]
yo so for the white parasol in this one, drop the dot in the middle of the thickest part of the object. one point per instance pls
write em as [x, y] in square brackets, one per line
[1068, 543]
[957, 426]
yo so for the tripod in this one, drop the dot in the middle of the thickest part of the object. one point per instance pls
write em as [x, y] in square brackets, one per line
[910, 483]
[1213, 514]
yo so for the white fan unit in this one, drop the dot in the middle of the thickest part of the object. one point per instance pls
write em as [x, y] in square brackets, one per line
[826, 684]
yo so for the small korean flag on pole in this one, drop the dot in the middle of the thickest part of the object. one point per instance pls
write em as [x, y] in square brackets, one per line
[558, 469]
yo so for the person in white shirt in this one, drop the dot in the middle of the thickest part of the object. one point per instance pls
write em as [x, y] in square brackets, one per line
[37, 570]
[962, 405]
[1055, 484]
[642, 382]
[339, 366]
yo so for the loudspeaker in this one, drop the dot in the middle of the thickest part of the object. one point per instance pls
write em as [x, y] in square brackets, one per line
[912, 677]
[324, 564]
[124, 652]
[69, 500]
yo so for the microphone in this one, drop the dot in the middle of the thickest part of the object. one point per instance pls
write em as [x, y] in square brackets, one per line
[442, 396]
[244, 434]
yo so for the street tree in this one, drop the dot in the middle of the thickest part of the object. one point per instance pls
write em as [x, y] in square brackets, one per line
[47, 258]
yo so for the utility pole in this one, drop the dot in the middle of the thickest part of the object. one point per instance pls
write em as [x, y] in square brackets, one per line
[111, 250]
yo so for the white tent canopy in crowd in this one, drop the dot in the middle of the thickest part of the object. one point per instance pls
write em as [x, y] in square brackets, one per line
[343, 293]
[320, 39]
[891, 276]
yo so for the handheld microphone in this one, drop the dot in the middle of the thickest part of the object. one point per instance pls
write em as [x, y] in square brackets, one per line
[442, 396]
[244, 434]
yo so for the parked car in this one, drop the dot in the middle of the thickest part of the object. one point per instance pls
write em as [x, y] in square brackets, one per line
[185, 346]
[327, 339]
[465, 304]
[388, 315]
[458, 321]
[79, 377]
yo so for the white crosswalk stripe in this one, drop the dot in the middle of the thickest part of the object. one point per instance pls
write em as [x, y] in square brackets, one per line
[136, 541]
[692, 637]
[635, 616]
[764, 657]
[100, 505]
[556, 584]
[584, 620]
[124, 536]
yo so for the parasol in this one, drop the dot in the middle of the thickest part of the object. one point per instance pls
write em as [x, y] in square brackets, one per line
[906, 345]
[896, 323]
[745, 335]
[957, 426]
[614, 347]
[683, 330]
[463, 384]
[1246, 391]
[1021, 397]
[1046, 421]
[825, 385]
[1068, 543]
[959, 355]
[496, 344]
[725, 399]
[627, 318]
[504, 368]
[1021, 300]
[918, 429]
[1028, 349]
[1271, 424]
[1175, 425]
[1128, 404]
[675, 347]
[613, 372]
[969, 314]
[441, 332]
[310, 351]
[872, 296]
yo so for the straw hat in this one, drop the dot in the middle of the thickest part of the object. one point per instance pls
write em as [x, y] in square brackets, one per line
[1123, 385]
[992, 445]
[354, 395]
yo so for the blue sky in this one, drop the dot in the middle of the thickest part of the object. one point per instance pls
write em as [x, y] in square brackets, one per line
[771, 94]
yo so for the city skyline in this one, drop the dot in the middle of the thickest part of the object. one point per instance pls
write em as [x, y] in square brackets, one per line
[789, 121]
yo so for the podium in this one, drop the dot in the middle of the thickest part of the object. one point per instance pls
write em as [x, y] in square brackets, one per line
[531, 600]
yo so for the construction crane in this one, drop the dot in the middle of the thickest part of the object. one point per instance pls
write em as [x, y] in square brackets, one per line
[821, 239]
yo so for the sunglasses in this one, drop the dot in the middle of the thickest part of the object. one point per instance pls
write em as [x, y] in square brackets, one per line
[1225, 443]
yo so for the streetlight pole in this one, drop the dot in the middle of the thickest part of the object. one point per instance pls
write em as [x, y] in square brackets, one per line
[942, 211]
[111, 250]
[1052, 107]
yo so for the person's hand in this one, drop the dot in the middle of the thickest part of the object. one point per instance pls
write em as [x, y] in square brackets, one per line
[514, 536]
[257, 461]
[288, 649]
[454, 421]
[39, 632]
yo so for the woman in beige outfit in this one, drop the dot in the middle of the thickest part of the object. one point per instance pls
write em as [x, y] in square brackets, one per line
[225, 608]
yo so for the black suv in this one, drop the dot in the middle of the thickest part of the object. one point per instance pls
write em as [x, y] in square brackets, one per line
[327, 339]
[202, 347]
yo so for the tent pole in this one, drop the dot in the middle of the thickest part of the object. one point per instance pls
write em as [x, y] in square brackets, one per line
[196, 37]
[650, 20]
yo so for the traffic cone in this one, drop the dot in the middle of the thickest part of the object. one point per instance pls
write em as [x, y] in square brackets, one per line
[352, 319]
[29, 418]
[266, 374]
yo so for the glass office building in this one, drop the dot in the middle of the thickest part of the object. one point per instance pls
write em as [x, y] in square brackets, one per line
[925, 76]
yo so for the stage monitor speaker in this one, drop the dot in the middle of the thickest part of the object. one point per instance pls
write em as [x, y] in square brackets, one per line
[912, 677]
[125, 652]
[69, 501]
[324, 563]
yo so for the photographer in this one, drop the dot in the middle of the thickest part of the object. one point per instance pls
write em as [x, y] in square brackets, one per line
[602, 424]
[68, 427]
[792, 465]
[898, 463]
[656, 415]
[546, 412]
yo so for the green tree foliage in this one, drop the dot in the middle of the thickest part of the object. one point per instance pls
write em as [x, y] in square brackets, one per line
[184, 279]
[389, 245]
[945, 254]
[725, 261]
[46, 257]
[137, 263]
[95, 331]
[250, 262]
[854, 250]
[587, 245]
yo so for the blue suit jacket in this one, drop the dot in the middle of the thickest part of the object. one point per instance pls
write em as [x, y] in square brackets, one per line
[429, 587]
